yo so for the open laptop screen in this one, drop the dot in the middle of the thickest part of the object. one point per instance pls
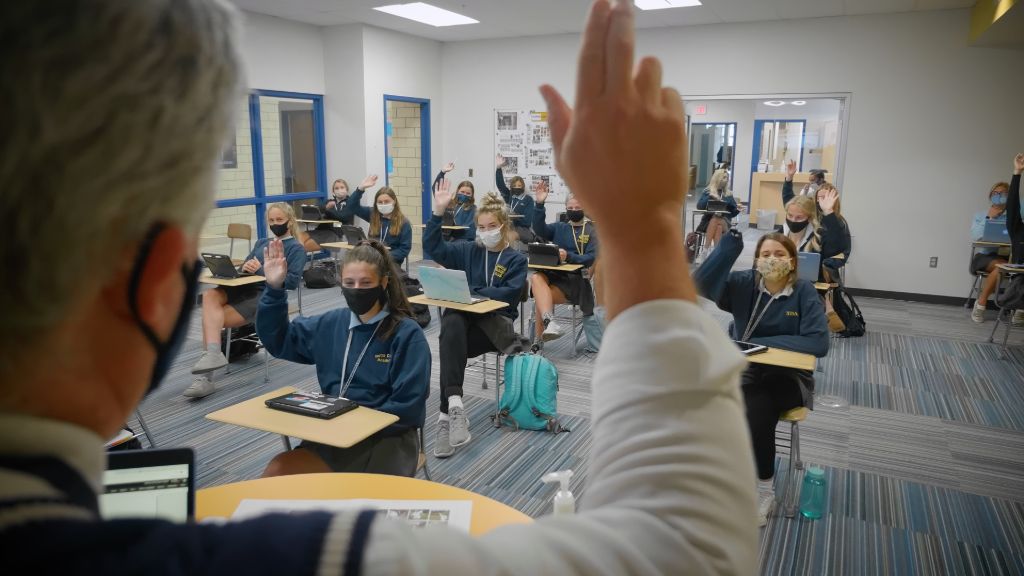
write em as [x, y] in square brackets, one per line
[148, 484]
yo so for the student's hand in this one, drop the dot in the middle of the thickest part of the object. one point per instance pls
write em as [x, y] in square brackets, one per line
[1018, 164]
[562, 255]
[251, 266]
[442, 196]
[368, 182]
[448, 167]
[499, 161]
[275, 267]
[541, 193]
[790, 170]
[330, 205]
[828, 201]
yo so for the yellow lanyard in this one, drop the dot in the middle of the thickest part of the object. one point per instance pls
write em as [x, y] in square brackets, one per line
[576, 239]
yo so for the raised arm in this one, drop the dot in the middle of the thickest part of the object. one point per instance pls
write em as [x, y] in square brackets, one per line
[499, 178]
[787, 184]
[355, 201]
[712, 275]
[283, 339]
[444, 253]
[540, 215]
[1014, 208]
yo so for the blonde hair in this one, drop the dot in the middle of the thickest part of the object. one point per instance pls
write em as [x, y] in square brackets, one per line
[342, 180]
[289, 212]
[164, 84]
[397, 220]
[493, 204]
[809, 206]
[719, 183]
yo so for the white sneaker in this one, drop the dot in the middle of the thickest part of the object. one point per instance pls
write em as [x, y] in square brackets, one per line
[552, 331]
[765, 503]
[978, 314]
[209, 362]
[459, 427]
[201, 387]
[1018, 319]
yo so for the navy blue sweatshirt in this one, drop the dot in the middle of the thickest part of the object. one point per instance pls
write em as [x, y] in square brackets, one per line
[1015, 221]
[400, 244]
[568, 237]
[342, 211]
[795, 322]
[294, 253]
[394, 375]
[458, 215]
[730, 203]
[507, 269]
[522, 206]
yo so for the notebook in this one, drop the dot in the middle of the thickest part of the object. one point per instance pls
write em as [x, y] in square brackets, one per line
[447, 285]
[808, 266]
[353, 234]
[157, 484]
[312, 212]
[541, 254]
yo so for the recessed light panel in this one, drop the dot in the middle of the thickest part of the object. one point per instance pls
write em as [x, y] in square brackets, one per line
[427, 14]
[662, 4]
[775, 103]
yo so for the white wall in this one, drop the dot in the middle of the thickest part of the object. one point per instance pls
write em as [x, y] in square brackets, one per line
[282, 55]
[932, 122]
[344, 110]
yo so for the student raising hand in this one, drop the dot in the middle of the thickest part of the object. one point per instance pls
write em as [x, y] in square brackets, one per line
[275, 265]
[541, 193]
[442, 196]
[827, 202]
[1018, 164]
[790, 169]
[368, 182]
[499, 161]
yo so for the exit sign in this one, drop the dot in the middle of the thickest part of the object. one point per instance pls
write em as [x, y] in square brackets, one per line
[700, 110]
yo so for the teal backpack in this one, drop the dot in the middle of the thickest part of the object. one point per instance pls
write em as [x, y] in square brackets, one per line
[529, 401]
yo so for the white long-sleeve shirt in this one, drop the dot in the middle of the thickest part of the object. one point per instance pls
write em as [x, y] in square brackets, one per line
[671, 486]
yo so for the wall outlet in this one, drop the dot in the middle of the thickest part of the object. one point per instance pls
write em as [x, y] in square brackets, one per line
[470, 172]
[933, 262]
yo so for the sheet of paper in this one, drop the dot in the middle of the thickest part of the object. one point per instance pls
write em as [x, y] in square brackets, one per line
[417, 513]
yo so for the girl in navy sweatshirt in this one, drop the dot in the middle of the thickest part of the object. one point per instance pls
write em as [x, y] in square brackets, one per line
[831, 233]
[387, 224]
[520, 205]
[577, 244]
[461, 210]
[769, 306]
[494, 270]
[372, 353]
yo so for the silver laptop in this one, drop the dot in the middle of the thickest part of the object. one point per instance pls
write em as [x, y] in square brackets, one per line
[447, 285]
[156, 484]
[995, 231]
[808, 266]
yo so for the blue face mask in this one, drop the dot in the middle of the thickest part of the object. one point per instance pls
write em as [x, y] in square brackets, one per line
[462, 198]
[167, 350]
[999, 199]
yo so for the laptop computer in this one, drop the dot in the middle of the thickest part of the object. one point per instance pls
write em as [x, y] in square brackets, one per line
[995, 231]
[312, 212]
[717, 206]
[447, 285]
[149, 484]
[221, 266]
[353, 234]
[315, 405]
[808, 266]
[542, 254]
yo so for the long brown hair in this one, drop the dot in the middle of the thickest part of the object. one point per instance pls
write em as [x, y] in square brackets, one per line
[516, 180]
[454, 203]
[837, 209]
[397, 219]
[787, 244]
[376, 254]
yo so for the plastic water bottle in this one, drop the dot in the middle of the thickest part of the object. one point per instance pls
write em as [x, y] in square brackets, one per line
[814, 494]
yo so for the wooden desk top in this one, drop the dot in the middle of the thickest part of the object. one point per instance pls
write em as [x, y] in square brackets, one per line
[344, 431]
[207, 278]
[560, 268]
[824, 286]
[478, 308]
[784, 358]
[317, 221]
[443, 227]
[337, 245]
[222, 500]
[1010, 269]
[991, 244]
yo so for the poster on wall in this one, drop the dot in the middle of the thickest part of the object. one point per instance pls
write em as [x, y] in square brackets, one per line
[524, 139]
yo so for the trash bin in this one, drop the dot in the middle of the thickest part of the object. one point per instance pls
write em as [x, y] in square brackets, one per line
[766, 219]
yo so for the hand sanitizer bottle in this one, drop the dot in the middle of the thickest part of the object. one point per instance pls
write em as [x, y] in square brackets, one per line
[564, 503]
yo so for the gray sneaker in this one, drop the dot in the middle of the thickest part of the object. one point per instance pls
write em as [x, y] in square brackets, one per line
[442, 444]
[209, 362]
[459, 427]
[552, 331]
[978, 314]
[201, 387]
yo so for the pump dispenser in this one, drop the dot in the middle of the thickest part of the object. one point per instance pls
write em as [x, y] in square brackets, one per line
[564, 503]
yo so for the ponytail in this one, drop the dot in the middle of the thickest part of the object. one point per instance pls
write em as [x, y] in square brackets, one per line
[376, 254]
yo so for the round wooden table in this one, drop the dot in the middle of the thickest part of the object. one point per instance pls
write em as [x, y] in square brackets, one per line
[222, 500]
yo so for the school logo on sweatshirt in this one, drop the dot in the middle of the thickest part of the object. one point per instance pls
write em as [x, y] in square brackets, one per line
[499, 271]
[584, 238]
[792, 313]
[383, 358]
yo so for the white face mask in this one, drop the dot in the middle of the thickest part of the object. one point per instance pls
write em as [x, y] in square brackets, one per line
[385, 209]
[489, 238]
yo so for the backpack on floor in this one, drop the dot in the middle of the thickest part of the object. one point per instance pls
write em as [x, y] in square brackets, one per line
[420, 312]
[323, 274]
[848, 311]
[529, 400]
[240, 349]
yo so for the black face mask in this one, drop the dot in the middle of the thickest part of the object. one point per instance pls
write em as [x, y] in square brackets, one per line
[518, 191]
[795, 226]
[279, 229]
[574, 215]
[165, 351]
[362, 300]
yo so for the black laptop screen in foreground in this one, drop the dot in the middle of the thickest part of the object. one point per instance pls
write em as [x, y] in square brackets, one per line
[148, 484]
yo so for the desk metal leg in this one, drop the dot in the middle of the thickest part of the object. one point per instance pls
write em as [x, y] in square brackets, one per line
[145, 428]
[287, 444]
[999, 316]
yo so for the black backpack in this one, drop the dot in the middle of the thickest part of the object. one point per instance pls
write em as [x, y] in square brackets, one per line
[848, 311]
[240, 349]
[420, 312]
[322, 274]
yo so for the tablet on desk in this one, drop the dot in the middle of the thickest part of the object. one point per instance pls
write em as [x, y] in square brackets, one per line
[750, 349]
[315, 405]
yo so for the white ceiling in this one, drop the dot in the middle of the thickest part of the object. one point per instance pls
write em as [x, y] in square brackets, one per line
[510, 18]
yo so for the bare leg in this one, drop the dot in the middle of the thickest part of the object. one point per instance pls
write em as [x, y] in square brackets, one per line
[990, 283]
[217, 314]
[298, 461]
[541, 300]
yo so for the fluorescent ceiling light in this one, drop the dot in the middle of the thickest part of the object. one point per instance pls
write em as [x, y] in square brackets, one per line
[775, 103]
[662, 4]
[427, 14]
[798, 102]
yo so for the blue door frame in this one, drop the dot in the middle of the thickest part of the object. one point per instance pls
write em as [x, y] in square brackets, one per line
[260, 199]
[426, 198]
[756, 152]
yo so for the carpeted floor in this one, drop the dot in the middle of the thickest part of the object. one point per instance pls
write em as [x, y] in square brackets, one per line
[925, 465]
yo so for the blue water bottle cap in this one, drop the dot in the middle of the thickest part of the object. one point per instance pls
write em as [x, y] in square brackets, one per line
[816, 472]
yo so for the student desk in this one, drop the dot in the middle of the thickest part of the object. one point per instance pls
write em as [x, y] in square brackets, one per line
[443, 227]
[343, 431]
[337, 246]
[309, 223]
[207, 278]
[479, 308]
[784, 358]
[984, 244]
[1009, 271]
[222, 500]
[559, 268]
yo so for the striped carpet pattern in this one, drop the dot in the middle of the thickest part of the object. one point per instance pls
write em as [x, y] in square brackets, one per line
[925, 465]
